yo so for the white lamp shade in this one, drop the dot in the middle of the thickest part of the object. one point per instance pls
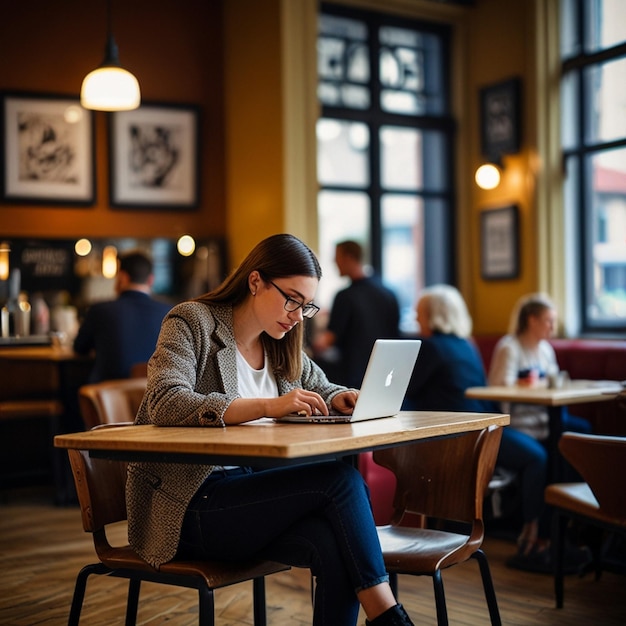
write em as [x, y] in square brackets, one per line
[110, 88]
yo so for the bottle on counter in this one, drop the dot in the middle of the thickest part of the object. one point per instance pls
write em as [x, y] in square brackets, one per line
[8, 315]
[40, 314]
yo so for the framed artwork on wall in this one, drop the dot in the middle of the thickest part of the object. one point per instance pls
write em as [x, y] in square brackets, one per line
[48, 150]
[499, 243]
[500, 119]
[154, 157]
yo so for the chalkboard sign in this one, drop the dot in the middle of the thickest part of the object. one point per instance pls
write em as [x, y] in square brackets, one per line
[45, 265]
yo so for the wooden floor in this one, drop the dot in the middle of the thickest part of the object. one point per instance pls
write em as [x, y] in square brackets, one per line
[42, 547]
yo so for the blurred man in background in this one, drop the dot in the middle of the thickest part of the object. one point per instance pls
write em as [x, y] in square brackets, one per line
[363, 312]
[123, 332]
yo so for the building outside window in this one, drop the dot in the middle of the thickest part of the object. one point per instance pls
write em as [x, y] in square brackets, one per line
[384, 156]
[593, 131]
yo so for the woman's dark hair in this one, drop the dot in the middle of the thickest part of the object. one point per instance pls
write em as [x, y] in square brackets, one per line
[277, 256]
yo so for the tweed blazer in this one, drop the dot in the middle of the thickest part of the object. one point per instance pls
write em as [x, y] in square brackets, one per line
[192, 379]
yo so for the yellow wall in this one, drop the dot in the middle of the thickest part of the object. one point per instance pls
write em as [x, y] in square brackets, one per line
[253, 123]
[501, 46]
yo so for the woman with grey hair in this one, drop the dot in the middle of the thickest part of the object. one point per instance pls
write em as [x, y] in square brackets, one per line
[449, 362]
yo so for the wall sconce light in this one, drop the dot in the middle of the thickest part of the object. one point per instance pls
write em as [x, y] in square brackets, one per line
[186, 245]
[5, 248]
[110, 87]
[487, 176]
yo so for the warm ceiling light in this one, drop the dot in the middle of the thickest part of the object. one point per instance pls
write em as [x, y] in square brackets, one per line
[487, 176]
[110, 87]
[186, 245]
[82, 247]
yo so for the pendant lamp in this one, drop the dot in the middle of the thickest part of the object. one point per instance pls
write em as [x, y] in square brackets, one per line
[110, 87]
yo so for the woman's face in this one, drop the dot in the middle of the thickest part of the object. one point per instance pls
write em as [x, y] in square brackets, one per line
[542, 326]
[271, 297]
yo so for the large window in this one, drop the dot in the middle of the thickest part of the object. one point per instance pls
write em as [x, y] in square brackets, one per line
[385, 149]
[593, 51]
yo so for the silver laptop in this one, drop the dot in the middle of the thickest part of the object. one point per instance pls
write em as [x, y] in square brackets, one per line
[384, 385]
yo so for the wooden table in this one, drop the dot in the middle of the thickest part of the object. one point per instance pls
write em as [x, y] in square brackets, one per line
[265, 443]
[573, 392]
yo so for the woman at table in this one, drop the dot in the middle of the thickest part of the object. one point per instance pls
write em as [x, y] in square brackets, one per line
[231, 356]
[449, 362]
[525, 355]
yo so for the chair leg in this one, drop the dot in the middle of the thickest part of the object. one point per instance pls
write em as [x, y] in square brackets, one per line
[79, 590]
[134, 587]
[559, 526]
[393, 583]
[440, 599]
[490, 592]
[258, 601]
[207, 606]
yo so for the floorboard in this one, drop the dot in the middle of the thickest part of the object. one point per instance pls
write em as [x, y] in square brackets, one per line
[42, 548]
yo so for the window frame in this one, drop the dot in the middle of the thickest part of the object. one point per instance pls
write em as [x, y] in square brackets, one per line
[375, 118]
[579, 157]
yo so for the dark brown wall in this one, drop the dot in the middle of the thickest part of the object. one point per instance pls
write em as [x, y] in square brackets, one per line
[174, 48]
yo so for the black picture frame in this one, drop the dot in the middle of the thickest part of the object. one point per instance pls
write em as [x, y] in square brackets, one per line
[500, 119]
[47, 150]
[499, 243]
[154, 157]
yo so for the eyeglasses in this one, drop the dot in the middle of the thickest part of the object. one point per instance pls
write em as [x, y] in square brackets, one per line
[308, 310]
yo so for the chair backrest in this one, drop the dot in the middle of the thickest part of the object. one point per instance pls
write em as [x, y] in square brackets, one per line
[111, 401]
[100, 486]
[601, 461]
[139, 370]
[443, 478]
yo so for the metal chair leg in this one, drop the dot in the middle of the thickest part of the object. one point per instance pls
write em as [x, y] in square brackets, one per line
[134, 586]
[79, 590]
[207, 606]
[490, 592]
[440, 599]
[258, 602]
[559, 524]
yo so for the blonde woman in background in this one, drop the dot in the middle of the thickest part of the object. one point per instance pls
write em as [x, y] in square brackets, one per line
[526, 355]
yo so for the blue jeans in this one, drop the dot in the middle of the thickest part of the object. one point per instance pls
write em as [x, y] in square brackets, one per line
[316, 516]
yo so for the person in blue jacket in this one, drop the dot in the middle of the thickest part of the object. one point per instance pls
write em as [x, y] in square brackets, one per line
[123, 332]
[449, 362]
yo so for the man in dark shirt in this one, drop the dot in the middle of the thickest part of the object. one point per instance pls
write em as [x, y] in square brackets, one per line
[360, 314]
[123, 332]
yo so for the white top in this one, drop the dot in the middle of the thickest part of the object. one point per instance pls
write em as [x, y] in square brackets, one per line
[255, 383]
[509, 358]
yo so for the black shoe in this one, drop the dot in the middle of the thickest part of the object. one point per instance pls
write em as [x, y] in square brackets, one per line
[395, 616]
[539, 560]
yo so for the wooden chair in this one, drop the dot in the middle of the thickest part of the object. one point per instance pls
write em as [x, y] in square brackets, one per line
[111, 401]
[139, 370]
[100, 485]
[443, 483]
[598, 502]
